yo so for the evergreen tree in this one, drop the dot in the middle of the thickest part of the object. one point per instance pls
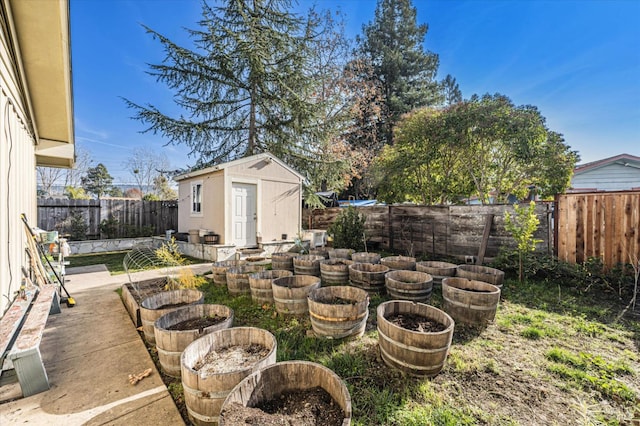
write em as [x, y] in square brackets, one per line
[393, 43]
[451, 91]
[243, 88]
[97, 181]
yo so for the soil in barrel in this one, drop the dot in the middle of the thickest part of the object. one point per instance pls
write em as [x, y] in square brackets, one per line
[231, 358]
[197, 323]
[311, 407]
[172, 305]
[415, 322]
[143, 289]
[474, 290]
[335, 300]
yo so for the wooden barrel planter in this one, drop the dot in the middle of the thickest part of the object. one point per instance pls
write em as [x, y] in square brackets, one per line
[260, 284]
[335, 271]
[205, 384]
[320, 251]
[153, 307]
[238, 280]
[219, 270]
[189, 322]
[307, 264]
[419, 353]
[368, 276]
[283, 260]
[399, 263]
[340, 253]
[438, 270]
[339, 311]
[470, 301]
[481, 273]
[258, 264]
[290, 293]
[409, 285]
[273, 382]
[365, 257]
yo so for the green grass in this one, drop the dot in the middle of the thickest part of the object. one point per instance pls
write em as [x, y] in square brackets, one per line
[523, 365]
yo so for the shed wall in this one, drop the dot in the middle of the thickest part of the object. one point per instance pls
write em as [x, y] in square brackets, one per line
[213, 204]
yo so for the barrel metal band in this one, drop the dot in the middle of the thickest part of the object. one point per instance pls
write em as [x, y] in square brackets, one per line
[470, 306]
[202, 417]
[207, 395]
[411, 348]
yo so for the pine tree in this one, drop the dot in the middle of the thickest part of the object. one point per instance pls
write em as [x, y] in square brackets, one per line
[393, 43]
[97, 181]
[242, 88]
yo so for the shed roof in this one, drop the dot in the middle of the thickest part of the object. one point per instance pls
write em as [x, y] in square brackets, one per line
[626, 160]
[219, 167]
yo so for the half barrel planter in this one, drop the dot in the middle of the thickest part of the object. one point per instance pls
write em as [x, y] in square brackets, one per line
[290, 293]
[340, 253]
[307, 264]
[320, 251]
[153, 307]
[258, 262]
[238, 279]
[272, 381]
[481, 273]
[399, 263]
[437, 270]
[470, 301]
[417, 353]
[339, 311]
[409, 285]
[219, 270]
[335, 271]
[368, 276]
[171, 343]
[205, 391]
[365, 257]
[260, 284]
[283, 260]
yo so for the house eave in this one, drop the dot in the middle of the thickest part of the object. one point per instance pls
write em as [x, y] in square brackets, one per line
[41, 29]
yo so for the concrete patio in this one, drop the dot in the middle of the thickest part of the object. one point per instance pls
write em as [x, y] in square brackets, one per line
[89, 351]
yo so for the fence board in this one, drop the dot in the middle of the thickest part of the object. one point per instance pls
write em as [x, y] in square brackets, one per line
[436, 231]
[132, 215]
[599, 225]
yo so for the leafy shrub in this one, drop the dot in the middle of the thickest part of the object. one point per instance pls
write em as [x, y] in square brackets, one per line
[348, 230]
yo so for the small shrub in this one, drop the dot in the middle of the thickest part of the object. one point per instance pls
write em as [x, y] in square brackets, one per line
[109, 227]
[348, 230]
[78, 226]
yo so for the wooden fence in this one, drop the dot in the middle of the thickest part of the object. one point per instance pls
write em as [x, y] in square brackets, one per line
[602, 225]
[439, 231]
[131, 215]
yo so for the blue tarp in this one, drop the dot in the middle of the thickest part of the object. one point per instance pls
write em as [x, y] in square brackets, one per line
[358, 203]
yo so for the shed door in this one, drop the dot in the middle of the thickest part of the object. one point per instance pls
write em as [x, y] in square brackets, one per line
[244, 214]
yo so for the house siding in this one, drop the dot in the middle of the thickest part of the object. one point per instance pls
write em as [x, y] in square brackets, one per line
[610, 177]
[18, 179]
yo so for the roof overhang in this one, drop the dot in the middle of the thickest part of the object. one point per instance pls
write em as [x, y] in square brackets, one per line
[44, 58]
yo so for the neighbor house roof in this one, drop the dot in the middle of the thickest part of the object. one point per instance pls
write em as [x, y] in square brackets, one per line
[626, 160]
[262, 156]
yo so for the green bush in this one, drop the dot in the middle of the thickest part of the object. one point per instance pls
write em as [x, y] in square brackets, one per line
[109, 227]
[78, 226]
[348, 230]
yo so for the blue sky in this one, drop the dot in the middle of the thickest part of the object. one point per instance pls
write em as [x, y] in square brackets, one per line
[577, 61]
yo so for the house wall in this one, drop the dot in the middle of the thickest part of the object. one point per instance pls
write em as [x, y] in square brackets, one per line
[213, 195]
[279, 203]
[17, 176]
[611, 177]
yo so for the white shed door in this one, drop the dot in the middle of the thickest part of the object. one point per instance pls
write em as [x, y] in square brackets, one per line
[244, 214]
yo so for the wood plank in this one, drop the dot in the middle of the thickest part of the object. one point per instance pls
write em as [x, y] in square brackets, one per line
[485, 237]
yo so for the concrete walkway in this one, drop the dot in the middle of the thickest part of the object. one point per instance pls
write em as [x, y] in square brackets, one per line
[89, 351]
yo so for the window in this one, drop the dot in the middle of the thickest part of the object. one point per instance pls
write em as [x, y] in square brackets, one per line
[196, 198]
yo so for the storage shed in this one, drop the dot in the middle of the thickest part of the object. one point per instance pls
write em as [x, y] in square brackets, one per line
[243, 201]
